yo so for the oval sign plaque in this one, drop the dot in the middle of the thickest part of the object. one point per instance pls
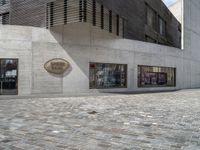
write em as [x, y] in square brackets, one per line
[56, 66]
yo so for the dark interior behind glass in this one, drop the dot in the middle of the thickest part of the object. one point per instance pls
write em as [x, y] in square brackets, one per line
[108, 76]
[150, 76]
[8, 76]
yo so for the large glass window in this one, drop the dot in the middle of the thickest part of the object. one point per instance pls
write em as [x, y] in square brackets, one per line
[149, 76]
[108, 76]
[8, 76]
[151, 17]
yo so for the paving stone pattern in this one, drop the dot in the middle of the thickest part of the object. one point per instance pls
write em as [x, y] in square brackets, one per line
[158, 121]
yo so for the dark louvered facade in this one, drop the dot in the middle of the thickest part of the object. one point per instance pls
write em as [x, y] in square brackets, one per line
[164, 29]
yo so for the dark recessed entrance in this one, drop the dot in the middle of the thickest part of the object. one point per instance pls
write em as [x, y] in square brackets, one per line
[8, 76]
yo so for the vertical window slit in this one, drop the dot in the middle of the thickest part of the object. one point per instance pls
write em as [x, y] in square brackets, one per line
[110, 21]
[117, 25]
[85, 11]
[94, 13]
[51, 14]
[47, 16]
[65, 11]
[102, 17]
[80, 10]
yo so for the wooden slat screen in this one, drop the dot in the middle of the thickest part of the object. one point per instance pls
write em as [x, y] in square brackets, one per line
[62, 12]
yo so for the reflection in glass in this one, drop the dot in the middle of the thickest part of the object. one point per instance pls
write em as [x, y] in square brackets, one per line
[8, 76]
[149, 76]
[108, 75]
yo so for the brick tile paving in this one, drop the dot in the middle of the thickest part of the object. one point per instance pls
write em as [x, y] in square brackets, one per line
[159, 121]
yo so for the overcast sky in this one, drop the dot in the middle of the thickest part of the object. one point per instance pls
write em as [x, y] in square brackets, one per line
[169, 2]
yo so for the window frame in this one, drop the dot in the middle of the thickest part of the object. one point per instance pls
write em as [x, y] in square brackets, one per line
[126, 73]
[139, 74]
[17, 74]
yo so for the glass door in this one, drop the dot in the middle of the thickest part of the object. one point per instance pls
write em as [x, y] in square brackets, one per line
[8, 76]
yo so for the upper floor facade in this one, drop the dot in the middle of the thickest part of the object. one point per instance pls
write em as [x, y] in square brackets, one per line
[144, 20]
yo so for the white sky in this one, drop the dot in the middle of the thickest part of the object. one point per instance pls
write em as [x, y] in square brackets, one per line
[169, 2]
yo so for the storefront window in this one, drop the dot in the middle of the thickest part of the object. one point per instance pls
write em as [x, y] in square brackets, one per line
[8, 76]
[149, 76]
[108, 76]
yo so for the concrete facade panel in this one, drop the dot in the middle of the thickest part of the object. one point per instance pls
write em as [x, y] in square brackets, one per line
[44, 46]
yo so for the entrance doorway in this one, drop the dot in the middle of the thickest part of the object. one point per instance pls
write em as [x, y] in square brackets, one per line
[8, 76]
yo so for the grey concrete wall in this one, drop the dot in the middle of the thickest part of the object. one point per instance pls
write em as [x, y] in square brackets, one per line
[16, 42]
[191, 22]
[80, 44]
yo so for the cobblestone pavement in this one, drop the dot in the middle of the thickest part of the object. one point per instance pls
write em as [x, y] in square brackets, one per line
[158, 121]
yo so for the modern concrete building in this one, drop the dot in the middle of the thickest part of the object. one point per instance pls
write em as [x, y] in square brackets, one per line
[177, 9]
[84, 45]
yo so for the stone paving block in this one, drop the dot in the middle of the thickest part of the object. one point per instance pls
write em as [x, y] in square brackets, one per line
[158, 121]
